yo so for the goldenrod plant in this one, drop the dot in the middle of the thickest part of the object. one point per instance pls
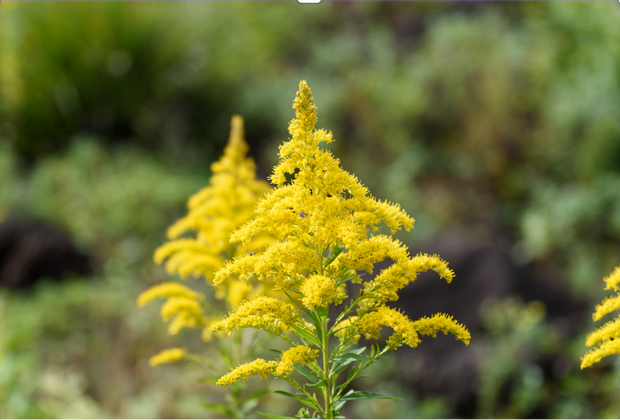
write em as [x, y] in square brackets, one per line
[213, 213]
[325, 222]
[605, 338]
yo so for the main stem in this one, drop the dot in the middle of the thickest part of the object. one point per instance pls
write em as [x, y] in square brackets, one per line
[328, 389]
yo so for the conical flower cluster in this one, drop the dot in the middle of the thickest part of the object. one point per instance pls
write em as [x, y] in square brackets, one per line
[323, 219]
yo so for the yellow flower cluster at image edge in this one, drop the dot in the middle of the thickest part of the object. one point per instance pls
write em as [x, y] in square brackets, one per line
[213, 213]
[316, 209]
[605, 338]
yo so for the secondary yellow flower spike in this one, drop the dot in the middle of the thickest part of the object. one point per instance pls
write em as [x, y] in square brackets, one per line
[214, 212]
[605, 338]
[323, 219]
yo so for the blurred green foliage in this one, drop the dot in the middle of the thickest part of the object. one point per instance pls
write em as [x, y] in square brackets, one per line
[500, 117]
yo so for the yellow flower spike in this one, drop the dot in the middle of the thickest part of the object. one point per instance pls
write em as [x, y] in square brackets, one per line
[166, 290]
[257, 367]
[214, 212]
[605, 338]
[176, 305]
[404, 329]
[299, 354]
[444, 323]
[608, 305]
[613, 280]
[261, 312]
[168, 356]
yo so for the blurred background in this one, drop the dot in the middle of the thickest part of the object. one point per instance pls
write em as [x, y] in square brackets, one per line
[496, 125]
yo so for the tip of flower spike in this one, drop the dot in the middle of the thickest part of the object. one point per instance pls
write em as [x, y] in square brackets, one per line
[304, 107]
[168, 356]
[236, 138]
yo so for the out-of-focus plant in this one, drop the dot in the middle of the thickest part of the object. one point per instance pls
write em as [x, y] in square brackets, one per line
[62, 344]
[105, 197]
[213, 213]
[517, 329]
[321, 217]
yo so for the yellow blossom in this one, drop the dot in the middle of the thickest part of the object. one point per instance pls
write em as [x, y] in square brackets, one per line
[605, 338]
[613, 280]
[257, 367]
[608, 305]
[318, 209]
[261, 312]
[187, 313]
[444, 323]
[404, 329]
[299, 354]
[606, 348]
[324, 222]
[168, 356]
[166, 290]
[318, 291]
[345, 330]
[610, 330]
[214, 212]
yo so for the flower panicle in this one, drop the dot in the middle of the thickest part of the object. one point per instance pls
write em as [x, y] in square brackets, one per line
[214, 212]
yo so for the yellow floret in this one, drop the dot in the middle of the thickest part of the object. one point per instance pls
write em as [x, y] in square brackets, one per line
[444, 323]
[404, 330]
[345, 330]
[261, 312]
[257, 367]
[608, 336]
[608, 305]
[299, 354]
[166, 290]
[610, 330]
[606, 348]
[168, 356]
[318, 291]
[613, 280]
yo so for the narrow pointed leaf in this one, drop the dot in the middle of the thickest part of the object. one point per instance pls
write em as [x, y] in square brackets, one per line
[272, 416]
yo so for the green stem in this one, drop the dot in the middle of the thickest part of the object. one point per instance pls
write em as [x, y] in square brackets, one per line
[328, 389]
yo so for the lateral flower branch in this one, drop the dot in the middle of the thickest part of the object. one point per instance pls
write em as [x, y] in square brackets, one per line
[606, 339]
[324, 221]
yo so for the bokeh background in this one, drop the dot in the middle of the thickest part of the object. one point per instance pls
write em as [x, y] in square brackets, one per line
[496, 125]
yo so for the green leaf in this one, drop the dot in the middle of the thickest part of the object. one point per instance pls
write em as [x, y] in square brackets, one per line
[276, 351]
[217, 408]
[349, 378]
[341, 362]
[320, 384]
[307, 336]
[334, 254]
[364, 395]
[256, 395]
[247, 407]
[309, 375]
[303, 400]
[271, 416]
